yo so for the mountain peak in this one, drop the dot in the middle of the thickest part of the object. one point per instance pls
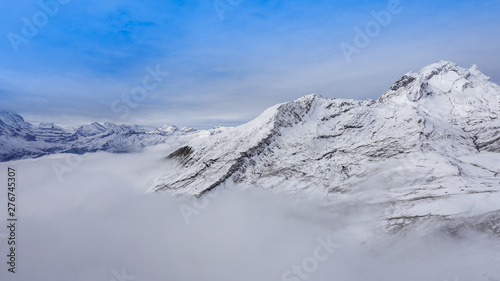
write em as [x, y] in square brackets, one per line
[474, 70]
[442, 68]
[474, 67]
[308, 98]
[442, 77]
[88, 130]
[49, 126]
[9, 117]
[441, 65]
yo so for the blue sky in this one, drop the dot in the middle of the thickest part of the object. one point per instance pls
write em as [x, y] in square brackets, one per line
[86, 57]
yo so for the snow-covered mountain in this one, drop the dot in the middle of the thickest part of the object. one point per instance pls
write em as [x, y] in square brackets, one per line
[20, 139]
[427, 150]
[429, 146]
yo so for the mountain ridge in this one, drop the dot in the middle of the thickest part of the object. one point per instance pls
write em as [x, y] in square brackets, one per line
[413, 91]
[20, 139]
[428, 148]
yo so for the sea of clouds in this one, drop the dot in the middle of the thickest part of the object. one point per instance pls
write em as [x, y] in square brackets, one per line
[89, 218]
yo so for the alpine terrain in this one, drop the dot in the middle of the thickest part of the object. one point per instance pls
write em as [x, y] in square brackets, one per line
[427, 149]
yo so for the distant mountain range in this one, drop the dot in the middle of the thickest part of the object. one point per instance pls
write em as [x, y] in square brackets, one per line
[20, 139]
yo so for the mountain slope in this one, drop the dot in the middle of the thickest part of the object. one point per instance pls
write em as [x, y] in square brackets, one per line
[425, 145]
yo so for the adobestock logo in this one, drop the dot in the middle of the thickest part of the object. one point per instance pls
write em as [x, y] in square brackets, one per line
[121, 277]
[39, 19]
[150, 82]
[222, 7]
[372, 29]
[310, 264]
[198, 205]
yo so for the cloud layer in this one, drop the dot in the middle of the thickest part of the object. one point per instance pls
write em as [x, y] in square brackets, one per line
[98, 224]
